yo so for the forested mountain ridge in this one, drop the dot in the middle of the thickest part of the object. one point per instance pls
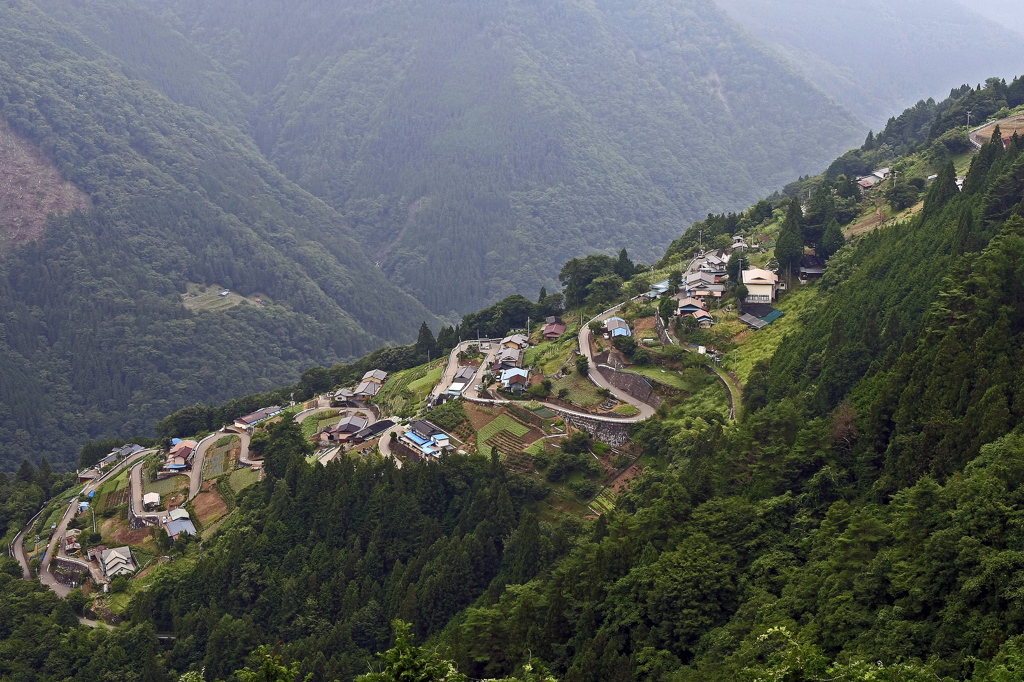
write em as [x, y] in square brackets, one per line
[95, 339]
[478, 145]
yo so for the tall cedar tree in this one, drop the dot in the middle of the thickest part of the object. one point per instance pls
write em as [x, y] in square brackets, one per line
[790, 247]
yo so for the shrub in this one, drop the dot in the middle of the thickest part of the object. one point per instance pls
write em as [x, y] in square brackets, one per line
[577, 443]
[585, 489]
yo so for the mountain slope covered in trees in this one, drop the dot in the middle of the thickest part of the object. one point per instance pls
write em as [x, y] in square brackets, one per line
[476, 146]
[876, 57]
[860, 521]
[96, 341]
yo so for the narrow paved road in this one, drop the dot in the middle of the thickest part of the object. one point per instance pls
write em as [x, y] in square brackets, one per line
[646, 411]
[195, 482]
[44, 573]
[18, 546]
[384, 445]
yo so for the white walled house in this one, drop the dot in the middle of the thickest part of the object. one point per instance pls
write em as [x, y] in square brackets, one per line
[762, 285]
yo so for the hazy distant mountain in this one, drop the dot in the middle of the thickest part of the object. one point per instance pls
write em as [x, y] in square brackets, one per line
[475, 145]
[1007, 13]
[876, 57]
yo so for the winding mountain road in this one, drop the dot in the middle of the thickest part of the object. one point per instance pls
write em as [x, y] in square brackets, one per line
[53, 548]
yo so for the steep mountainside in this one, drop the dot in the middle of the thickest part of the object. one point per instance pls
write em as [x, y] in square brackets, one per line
[875, 57]
[477, 145]
[95, 339]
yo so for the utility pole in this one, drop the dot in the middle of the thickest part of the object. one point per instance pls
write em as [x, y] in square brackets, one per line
[968, 119]
[700, 240]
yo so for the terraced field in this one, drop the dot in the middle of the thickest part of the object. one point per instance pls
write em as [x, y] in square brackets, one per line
[405, 391]
[503, 433]
[604, 502]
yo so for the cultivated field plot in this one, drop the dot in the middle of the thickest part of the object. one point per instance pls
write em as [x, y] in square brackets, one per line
[1007, 127]
[219, 457]
[503, 433]
[404, 391]
[604, 502]
[199, 297]
[109, 488]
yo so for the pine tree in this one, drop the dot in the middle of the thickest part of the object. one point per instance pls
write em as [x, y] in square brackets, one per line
[543, 294]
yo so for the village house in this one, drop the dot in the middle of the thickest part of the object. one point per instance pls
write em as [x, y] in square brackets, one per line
[507, 359]
[181, 455]
[762, 285]
[714, 263]
[377, 376]
[689, 305]
[463, 377]
[177, 522]
[659, 289]
[372, 431]
[249, 421]
[520, 341]
[515, 380]
[367, 390]
[151, 500]
[553, 328]
[811, 267]
[344, 430]
[616, 326]
[867, 183]
[426, 439]
[71, 544]
[704, 318]
[115, 562]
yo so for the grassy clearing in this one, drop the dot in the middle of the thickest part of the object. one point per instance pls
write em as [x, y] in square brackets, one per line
[755, 346]
[667, 377]
[581, 391]
[241, 479]
[626, 410]
[422, 386]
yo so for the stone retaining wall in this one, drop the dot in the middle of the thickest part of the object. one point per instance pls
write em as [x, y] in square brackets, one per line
[633, 384]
